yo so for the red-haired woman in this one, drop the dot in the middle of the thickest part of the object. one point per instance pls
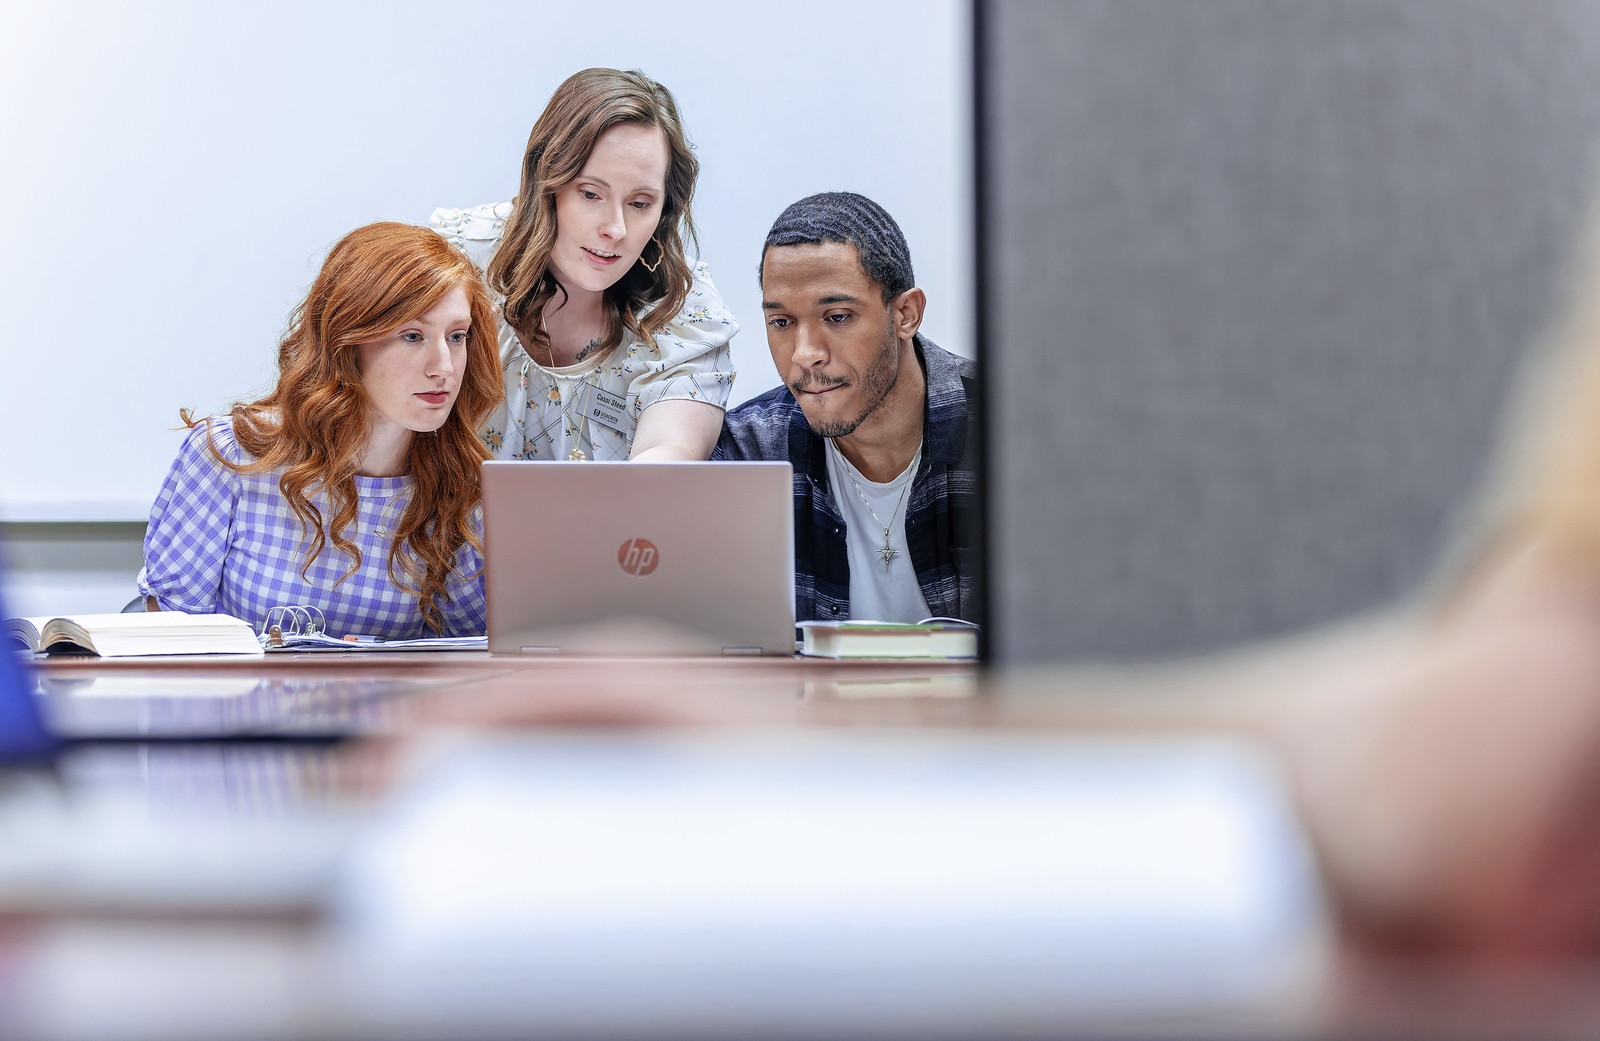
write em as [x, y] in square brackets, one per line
[613, 344]
[353, 486]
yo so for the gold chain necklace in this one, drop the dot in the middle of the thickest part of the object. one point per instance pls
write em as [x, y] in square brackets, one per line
[574, 430]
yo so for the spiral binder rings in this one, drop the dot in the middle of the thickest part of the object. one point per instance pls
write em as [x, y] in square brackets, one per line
[301, 627]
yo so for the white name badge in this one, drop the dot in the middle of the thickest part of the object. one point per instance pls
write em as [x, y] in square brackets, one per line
[609, 410]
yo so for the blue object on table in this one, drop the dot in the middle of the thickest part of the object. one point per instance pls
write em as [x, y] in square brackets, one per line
[22, 735]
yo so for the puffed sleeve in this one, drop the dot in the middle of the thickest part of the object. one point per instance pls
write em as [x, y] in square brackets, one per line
[690, 358]
[191, 524]
[475, 231]
[467, 613]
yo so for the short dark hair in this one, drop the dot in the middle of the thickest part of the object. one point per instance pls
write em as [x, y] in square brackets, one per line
[853, 219]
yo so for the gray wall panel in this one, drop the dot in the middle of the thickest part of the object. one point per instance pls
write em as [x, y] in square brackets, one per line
[1261, 275]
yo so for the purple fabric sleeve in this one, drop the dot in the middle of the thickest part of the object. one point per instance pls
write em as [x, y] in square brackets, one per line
[186, 542]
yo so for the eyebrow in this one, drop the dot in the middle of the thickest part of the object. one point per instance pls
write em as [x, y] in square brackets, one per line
[602, 182]
[836, 298]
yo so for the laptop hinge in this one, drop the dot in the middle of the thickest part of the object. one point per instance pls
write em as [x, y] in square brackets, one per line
[541, 649]
[741, 650]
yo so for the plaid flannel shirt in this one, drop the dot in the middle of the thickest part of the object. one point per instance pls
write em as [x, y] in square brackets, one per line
[941, 515]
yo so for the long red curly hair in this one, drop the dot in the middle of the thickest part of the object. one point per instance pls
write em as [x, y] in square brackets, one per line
[312, 427]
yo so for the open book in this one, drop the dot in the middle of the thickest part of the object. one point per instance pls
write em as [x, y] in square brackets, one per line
[934, 638]
[135, 633]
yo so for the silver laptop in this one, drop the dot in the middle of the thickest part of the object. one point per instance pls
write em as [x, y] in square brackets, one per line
[639, 558]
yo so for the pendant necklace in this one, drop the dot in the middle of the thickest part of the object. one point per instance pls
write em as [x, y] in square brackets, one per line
[888, 552]
[573, 431]
[577, 454]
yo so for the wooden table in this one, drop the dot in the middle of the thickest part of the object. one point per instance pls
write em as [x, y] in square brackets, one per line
[418, 691]
[92, 974]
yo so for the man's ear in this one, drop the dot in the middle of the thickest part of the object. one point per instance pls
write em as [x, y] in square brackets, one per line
[906, 312]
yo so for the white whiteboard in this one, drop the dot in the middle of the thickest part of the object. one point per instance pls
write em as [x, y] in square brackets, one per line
[174, 172]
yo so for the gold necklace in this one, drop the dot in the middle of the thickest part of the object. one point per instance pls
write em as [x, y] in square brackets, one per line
[574, 430]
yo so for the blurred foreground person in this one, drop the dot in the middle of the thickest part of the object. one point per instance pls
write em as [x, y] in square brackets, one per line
[1446, 754]
[1450, 768]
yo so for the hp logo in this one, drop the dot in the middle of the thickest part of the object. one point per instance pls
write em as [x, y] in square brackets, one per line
[638, 556]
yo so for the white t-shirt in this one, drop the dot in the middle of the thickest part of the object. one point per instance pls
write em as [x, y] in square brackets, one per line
[883, 585]
[594, 405]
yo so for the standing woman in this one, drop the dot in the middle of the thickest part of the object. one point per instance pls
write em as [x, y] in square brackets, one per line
[353, 486]
[612, 345]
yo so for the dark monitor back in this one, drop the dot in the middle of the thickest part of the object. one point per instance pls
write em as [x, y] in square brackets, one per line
[1255, 281]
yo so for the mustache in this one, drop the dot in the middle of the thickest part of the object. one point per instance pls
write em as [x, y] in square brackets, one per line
[812, 379]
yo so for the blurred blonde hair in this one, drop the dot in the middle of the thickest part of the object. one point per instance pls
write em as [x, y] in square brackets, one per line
[1543, 490]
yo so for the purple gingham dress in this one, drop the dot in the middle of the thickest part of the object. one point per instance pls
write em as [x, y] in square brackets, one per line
[225, 542]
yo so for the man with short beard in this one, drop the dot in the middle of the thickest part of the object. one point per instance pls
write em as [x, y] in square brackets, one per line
[875, 418]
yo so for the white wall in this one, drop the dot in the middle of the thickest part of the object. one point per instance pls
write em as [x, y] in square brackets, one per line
[174, 171]
[77, 568]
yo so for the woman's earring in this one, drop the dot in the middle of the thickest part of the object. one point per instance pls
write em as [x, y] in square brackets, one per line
[661, 255]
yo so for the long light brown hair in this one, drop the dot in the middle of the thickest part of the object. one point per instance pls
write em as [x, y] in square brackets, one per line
[582, 108]
[313, 426]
